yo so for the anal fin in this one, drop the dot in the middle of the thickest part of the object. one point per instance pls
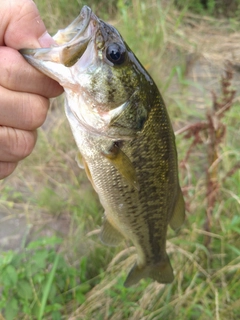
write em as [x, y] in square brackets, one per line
[110, 235]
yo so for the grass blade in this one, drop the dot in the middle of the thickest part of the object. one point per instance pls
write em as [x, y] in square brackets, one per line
[48, 287]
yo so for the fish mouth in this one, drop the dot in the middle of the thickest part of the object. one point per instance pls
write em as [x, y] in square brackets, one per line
[70, 43]
[75, 29]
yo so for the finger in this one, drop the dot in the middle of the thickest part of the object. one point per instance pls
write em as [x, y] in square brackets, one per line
[16, 144]
[22, 110]
[21, 26]
[6, 168]
[18, 75]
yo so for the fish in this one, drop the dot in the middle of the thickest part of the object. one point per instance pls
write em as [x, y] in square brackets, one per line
[124, 136]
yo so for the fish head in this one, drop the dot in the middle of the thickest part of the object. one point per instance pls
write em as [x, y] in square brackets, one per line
[107, 89]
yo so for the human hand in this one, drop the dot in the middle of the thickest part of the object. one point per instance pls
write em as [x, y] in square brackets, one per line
[24, 91]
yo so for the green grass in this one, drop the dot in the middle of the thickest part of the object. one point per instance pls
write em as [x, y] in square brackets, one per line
[61, 270]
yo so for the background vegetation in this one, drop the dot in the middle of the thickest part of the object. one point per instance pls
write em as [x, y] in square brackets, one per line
[56, 268]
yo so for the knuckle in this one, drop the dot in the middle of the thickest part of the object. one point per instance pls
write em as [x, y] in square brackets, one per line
[16, 144]
[24, 144]
[34, 111]
[6, 60]
[41, 110]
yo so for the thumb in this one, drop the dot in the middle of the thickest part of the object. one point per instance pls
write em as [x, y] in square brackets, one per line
[21, 25]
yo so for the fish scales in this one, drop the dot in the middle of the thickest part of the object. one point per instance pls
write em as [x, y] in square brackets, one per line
[124, 135]
[149, 218]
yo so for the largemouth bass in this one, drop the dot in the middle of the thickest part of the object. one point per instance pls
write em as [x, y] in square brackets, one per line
[124, 135]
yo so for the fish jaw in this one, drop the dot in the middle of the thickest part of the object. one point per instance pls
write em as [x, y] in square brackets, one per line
[53, 69]
[70, 45]
[75, 29]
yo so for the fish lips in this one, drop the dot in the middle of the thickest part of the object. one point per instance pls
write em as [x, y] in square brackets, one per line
[70, 45]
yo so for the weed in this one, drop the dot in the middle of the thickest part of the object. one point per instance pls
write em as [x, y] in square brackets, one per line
[211, 132]
[37, 282]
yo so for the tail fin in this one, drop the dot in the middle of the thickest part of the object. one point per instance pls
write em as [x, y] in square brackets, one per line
[161, 272]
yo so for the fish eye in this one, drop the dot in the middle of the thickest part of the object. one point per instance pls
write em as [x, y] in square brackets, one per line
[116, 53]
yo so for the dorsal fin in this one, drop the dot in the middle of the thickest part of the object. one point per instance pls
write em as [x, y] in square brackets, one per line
[178, 216]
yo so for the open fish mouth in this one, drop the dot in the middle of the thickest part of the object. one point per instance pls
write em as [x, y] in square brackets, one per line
[75, 29]
[70, 43]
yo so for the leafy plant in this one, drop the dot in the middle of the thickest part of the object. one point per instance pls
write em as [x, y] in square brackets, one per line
[37, 282]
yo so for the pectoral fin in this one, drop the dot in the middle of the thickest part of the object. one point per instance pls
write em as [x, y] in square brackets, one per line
[109, 235]
[123, 164]
[161, 272]
[178, 213]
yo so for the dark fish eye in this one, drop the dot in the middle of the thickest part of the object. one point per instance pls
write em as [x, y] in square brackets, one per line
[116, 53]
